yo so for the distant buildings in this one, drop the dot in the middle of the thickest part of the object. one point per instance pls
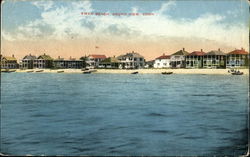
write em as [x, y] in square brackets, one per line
[9, 62]
[237, 58]
[131, 60]
[149, 64]
[195, 59]
[178, 59]
[214, 59]
[43, 62]
[94, 60]
[162, 62]
[27, 62]
[110, 63]
[72, 63]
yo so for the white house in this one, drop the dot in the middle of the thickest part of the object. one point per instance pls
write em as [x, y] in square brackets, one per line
[94, 60]
[162, 62]
[131, 60]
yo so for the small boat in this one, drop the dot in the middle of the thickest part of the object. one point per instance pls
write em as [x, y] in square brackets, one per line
[39, 71]
[237, 73]
[167, 73]
[136, 72]
[87, 72]
[30, 71]
[60, 71]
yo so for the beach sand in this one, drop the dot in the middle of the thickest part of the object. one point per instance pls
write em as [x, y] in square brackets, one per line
[141, 71]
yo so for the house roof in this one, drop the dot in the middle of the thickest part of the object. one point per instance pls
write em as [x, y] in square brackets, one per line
[9, 58]
[131, 54]
[180, 53]
[197, 53]
[215, 52]
[96, 56]
[45, 57]
[110, 60]
[29, 57]
[164, 57]
[238, 52]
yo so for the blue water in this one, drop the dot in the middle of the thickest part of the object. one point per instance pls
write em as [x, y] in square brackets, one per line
[123, 114]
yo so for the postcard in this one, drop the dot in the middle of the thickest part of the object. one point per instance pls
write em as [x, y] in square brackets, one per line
[124, 78]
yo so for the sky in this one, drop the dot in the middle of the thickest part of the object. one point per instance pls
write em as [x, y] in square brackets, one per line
[60, 27]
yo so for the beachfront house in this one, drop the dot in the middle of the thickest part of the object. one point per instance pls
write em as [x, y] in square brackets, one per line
[43, 61]
[177, 60]
[9, 62]
[27, 62]
[237, 58]
[162, 62]
[195, 59]
[214, 59]
[94, 60]
[131, 60]
[110, 63]
[71, 63]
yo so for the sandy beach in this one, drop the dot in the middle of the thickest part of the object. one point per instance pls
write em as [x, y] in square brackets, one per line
[141, 71]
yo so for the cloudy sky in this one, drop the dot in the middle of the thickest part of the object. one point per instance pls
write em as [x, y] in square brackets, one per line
[60, 29]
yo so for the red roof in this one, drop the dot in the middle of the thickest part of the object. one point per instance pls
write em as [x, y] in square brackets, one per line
[163, 57]
[197, 53]
[238, 52]
[97, 56]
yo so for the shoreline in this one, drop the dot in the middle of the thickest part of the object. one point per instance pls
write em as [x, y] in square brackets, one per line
[140, 71]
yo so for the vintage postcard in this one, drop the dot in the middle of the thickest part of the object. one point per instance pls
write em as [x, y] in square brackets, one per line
[124, 78]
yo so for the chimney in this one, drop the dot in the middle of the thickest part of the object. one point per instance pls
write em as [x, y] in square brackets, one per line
[163, 54]
[43, 53]
[70, 57]
[201, 50]
[114, 56]
[132, 51]
[30, 54]
[219, 49]
[183, 49]
[13, 55]
[242, 48]
[58, 57]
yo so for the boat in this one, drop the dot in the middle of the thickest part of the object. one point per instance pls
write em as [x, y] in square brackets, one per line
[167, 73]
[237, 73]
[87, 72]
[136, 72]
[39, 71]
[30, 71]
[60, 71]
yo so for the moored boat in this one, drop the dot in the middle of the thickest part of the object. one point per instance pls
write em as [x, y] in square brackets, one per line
[30, 71]
[60, 71]
[237, 73]
[167, 73]
[87, 72]
[136, 72]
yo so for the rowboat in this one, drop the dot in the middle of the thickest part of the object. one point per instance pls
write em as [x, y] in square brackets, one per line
[136, 72]
[87, 72]
[167, 73]
[30, 71]
[60, 71]
[237, 73]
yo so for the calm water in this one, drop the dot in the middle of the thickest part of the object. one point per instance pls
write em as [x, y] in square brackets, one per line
[122, 114]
